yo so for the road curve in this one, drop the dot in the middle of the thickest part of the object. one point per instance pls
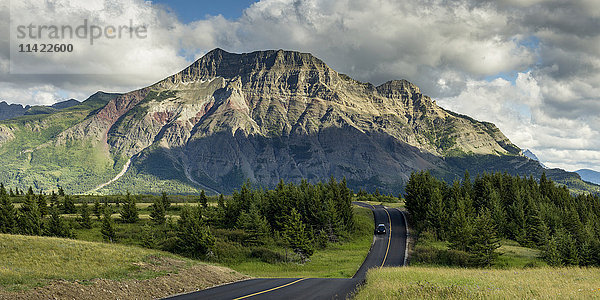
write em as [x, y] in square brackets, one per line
[387, 250]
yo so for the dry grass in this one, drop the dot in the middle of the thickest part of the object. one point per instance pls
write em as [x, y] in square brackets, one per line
[27, 261]
[456, 283]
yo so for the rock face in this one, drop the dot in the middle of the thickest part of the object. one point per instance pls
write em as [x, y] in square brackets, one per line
[272, 115]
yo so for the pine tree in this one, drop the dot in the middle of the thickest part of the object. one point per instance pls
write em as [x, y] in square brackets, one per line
[85, 220]
[158, 212]
[148, 238]
[296, 236]
[129, 213]
[7, 212]
[255, 225]
[221, 202]
[68, 205]
[57, 225]
[42, 205]
[461, 230]
[29, 218]
[54, 200]
[165, 201]
[108, 229]
[435, 214]
[536, 230]
[551, 254]
[203, 200]
[61, 192]
[194, 238]
[97, 209]
[485, 240]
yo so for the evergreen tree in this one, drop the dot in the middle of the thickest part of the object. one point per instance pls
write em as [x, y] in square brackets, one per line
[148, 237]
[536, 230]
[221, 202]
[7, 212]
[29, 218]
[157, 213]
[435, 214]
[68, 205]
[57, 225]
[194, 238]
[203, 199]
[165, 201]
[97, 209]
[108, 228]
[461, 230]
[255, 225]
[61, 192]
[551, 254]
[54, 200]
[84, 219]
[42, 205]
[129, 212]
[485, 240]
[296, 236]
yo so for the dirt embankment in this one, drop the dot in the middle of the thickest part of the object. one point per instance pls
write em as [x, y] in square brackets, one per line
[186, 280]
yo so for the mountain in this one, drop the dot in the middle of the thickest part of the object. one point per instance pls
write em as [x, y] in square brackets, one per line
[589, 175]
[262, 116]
[65, 104]
[16, 110]
[527, 153]
[9, 111]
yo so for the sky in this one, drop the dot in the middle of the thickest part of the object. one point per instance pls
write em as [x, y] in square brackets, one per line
[532, 67]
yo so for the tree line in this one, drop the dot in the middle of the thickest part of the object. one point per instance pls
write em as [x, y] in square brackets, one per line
[299, 217]
[473, 215]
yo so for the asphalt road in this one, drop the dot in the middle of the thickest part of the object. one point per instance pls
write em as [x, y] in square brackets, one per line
[387, 250]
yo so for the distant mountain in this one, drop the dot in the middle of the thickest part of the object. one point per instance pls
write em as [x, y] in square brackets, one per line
[260, 116]
[589, 175]
[527, 153]
[65, 104]
[9, 111]
[16, 110]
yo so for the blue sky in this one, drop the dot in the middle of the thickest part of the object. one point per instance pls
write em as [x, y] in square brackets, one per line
[189, 11]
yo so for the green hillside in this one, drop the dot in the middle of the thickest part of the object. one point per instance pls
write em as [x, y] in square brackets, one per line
[31, 154]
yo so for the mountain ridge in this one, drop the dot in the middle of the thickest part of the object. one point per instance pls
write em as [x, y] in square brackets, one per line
[266, 116]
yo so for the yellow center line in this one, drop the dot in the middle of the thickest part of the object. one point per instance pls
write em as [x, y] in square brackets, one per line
[389, 238]
[269, 290]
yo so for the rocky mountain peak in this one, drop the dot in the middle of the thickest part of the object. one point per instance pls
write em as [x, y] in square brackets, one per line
[220, 63]
[396, 88]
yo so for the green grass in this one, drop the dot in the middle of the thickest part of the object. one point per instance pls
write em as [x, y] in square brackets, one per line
[336, 261]
[514, 256]
[458, 283]
[386, 204]
[29, 261]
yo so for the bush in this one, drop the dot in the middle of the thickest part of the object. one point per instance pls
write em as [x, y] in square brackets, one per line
[267, 255]
[431, 255]
[454, 258]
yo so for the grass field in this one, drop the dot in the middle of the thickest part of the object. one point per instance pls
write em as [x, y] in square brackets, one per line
[29, 261]
[336, 261]
[457, 283]
[387, 204]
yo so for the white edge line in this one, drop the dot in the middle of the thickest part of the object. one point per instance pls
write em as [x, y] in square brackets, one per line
[405, 246]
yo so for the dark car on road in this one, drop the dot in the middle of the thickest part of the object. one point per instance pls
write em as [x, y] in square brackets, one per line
[380, 229]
